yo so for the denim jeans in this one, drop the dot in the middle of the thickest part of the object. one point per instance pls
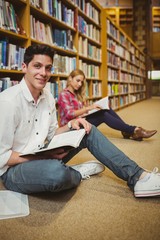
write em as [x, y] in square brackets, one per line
[54, 175]
[110, 118]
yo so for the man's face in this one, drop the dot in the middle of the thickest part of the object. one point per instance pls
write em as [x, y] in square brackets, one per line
[38, 72]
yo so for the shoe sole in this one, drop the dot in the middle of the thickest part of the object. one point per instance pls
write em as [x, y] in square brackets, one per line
[147, 194]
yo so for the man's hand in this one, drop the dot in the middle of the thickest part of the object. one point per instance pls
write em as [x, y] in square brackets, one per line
[58, 153]
[79, 122]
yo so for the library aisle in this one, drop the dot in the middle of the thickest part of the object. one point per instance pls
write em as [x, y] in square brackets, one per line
[102, 207]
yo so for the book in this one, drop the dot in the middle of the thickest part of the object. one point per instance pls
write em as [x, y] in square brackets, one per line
[69, 139]
[102, 104]
[13, 204]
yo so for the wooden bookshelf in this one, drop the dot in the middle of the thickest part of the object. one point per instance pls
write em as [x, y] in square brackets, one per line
[74, 31]
[155, 33]
[123, 17]
[125, 65]
[87, 39]
[156, 19]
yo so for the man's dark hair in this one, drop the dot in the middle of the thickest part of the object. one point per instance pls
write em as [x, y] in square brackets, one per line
[37, 49]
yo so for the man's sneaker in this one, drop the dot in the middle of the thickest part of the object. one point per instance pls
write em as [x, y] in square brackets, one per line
[149, 188]
[89, 168]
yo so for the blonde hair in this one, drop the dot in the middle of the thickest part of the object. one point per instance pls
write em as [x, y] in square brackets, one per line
[81, 92]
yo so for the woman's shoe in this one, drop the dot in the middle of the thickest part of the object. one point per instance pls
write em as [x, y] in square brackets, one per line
[126, 135]
[140, 133]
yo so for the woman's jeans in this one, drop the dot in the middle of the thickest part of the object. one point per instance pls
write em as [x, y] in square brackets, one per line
[54, 175]
[110, 118]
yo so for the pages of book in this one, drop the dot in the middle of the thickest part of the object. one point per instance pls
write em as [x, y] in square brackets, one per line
[13, 204]
[66, 139]
[102, 103]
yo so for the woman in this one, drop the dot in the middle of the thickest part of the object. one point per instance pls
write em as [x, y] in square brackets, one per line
[72, 104]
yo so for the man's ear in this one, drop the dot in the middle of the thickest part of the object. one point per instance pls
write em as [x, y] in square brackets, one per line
[24, 66]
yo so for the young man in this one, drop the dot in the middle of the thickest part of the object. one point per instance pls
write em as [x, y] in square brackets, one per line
[29, 118]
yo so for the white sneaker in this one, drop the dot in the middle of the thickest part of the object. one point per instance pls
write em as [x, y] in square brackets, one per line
[89, 168]
[149, 188]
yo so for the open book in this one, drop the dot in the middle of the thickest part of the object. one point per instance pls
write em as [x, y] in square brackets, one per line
[102, 103]
[66, 139]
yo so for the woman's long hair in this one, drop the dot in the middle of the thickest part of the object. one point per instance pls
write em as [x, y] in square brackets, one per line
[81, 92]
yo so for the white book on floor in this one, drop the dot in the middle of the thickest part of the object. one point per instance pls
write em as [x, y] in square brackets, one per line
[13, 204]
[63, 140]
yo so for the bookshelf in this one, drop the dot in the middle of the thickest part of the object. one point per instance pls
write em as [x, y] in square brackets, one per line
[123, 17]
[125, 65]
[156, 19]
[155, 33]
[71, 27]
[89, 47]
[82, 35]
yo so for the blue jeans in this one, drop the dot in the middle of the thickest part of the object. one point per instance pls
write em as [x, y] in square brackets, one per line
[110, 118]
[54, 175]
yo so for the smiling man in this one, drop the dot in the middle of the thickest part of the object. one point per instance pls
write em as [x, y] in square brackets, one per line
[29, 120]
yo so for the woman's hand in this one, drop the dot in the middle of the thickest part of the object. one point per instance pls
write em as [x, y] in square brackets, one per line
[93, 106]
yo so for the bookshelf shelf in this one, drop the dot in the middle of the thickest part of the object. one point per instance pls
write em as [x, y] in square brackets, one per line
[125, 66]
[156, 19]
[123, 17]
[88, 39]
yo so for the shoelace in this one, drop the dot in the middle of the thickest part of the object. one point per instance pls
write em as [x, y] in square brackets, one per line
[155, 171]
[85, 177]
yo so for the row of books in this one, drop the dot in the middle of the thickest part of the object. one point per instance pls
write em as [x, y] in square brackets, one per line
[90, 70]
[11, 56]
[113, 89]
[116, 75]
[6, 82]
[130, 78]
[63, 39]
[9, 19]
[121, 101]
[63, 64]
[118, 36]
[112, 30]
[136, 88]
[62, 84]
[156, 29]
[116, 89]
[60, 11]
[88, 50]
[113, 75]
[123, 53]
[88, 8]
[57, 9]
[89, 30]
[97, 89]
[116, 102]
[48, 34]
[120, 50]
[115, 60]
[53, 87]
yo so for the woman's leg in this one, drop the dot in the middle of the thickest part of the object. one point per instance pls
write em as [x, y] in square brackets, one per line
[111, 119]
[40, 176]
